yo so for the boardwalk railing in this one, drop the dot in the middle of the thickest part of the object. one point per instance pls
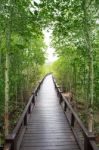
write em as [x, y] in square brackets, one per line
[85, 139]
[13, 140]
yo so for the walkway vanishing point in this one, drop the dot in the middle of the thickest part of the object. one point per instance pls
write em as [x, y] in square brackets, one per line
[47, 125]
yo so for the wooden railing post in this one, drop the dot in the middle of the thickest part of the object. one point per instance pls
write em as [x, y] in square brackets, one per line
[29, 109]
[33, 99]
[65, 106]
[72, 120]
[60, 101]
[1, 148]
[36, 93]
[25, 120]
[60, 98]
[87, 145]
[9, 143]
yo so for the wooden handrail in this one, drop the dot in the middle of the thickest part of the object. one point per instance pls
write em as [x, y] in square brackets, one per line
[93, 144]
[85, 131]
[10, 141]
[89, 138]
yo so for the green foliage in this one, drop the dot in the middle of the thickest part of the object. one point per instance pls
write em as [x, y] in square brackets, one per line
[75, 26]
[75, 38]
[75, 30]
[21, 36]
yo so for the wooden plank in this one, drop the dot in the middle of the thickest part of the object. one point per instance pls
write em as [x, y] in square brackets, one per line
[51, 148]
[40, 140]
[48, 144]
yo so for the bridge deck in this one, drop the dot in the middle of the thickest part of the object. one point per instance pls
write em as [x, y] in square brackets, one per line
[48, 128]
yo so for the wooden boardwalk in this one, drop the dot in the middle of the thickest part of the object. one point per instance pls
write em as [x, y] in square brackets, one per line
[48, 128]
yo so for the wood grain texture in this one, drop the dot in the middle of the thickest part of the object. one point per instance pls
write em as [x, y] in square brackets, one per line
[48, 128]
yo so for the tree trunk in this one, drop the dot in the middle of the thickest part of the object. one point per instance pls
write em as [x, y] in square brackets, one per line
[8, 42]
[16, 96]
[87, 33]
[90, 120]
[7, 94]
[22, 98]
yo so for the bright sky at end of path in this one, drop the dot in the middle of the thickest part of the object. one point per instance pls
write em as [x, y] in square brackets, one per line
[51, 57]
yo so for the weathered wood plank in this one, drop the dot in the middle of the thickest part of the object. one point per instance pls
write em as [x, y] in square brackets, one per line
[51, 148]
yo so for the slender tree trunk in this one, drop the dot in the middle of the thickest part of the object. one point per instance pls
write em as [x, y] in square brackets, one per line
[8, 37]
[16, 97]
[88, 40]
[74, 81]
[6, 94]
[7, 63]
[22, 98]
[85, 88]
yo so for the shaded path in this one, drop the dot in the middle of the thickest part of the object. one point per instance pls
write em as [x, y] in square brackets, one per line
[48, 128]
